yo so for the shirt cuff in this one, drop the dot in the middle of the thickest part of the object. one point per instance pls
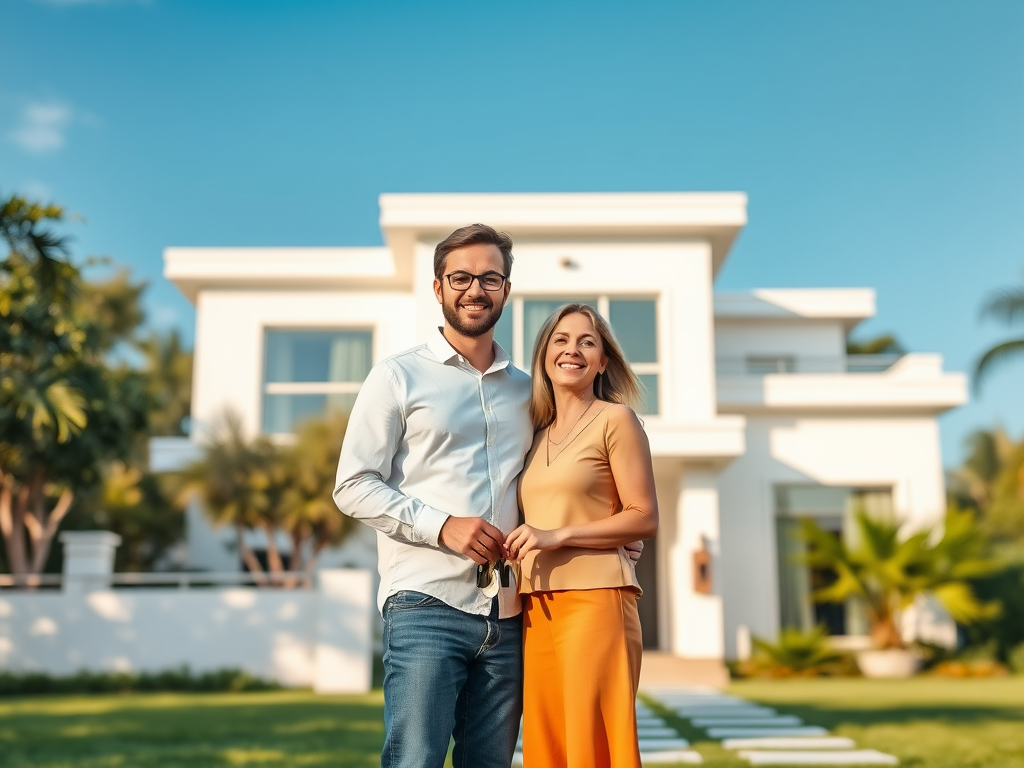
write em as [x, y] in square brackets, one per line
[427, 527]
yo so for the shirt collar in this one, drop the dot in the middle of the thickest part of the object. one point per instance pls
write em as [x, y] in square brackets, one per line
[445, 352]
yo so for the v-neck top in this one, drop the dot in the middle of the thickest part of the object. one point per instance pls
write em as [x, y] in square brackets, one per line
[576, 487]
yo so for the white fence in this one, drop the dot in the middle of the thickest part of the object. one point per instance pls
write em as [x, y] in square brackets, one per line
[318, 636]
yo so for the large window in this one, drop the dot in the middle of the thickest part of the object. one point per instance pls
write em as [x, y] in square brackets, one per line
[634, 321]
[308, 373]
[833, 509]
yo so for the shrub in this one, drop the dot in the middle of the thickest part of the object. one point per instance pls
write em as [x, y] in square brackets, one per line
[180, 679]
[795, 654]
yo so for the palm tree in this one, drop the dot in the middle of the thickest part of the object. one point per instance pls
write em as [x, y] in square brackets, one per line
[888, 572]
[168, 367]
[238, 482]
[308, 513]
[1007, 306]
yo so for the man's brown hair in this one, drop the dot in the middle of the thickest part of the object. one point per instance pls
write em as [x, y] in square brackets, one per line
[474, 234]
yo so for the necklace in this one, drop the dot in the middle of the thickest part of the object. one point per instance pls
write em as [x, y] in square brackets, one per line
[566, 435]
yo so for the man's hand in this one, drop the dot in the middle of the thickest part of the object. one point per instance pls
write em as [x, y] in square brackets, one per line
[633, 550]
[475, 538]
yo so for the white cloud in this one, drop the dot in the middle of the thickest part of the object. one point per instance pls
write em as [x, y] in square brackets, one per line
[42, 126]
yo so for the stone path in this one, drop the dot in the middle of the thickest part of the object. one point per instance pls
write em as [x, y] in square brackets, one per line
[759, 734]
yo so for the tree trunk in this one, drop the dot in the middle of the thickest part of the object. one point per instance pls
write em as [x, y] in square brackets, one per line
[43, 538]
[296, 564]
[13, 501]
[248, 557]
[274, 563]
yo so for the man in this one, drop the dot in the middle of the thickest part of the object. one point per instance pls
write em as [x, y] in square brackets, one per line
[431, 460]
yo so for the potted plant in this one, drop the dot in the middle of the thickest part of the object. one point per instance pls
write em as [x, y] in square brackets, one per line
[887, 572]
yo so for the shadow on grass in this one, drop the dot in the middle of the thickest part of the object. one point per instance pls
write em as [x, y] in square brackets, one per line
[192, 731]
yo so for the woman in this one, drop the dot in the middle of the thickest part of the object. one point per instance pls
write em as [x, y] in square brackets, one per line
[586, 490]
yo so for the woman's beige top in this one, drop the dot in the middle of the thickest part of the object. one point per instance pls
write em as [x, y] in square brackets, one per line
[576, 487]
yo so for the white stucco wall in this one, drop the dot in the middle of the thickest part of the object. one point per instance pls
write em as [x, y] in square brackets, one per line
[230, 328]
[869, 451]
[799, 338]
[319, 637]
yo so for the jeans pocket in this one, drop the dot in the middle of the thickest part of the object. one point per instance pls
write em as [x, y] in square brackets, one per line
[407, 598]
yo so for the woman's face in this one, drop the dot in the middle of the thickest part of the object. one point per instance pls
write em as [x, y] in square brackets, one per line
[575, 354]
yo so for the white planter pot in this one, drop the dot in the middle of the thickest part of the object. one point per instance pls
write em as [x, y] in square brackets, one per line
[890, 663]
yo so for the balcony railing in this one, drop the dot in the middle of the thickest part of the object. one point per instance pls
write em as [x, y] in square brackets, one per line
[763, 365]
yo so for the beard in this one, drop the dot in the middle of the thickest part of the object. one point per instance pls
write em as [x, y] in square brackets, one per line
[471, 329]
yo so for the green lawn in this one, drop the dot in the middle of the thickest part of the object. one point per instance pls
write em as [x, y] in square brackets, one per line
[928, 723]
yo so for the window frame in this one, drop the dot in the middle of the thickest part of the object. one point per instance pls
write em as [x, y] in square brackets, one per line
[604, 300]
[308, 387]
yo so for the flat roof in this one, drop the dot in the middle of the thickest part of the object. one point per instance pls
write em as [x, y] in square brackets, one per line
[849, 305]
[194, 269]
[717, 217]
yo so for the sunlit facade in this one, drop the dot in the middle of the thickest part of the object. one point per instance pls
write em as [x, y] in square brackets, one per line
[756, 415]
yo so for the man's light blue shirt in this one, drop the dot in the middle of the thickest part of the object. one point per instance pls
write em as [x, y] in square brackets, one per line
[430, 436]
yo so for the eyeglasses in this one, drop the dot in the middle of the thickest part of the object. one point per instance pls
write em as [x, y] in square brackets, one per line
[489, 281]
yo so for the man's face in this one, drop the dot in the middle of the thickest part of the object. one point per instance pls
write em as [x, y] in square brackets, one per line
[474, 311]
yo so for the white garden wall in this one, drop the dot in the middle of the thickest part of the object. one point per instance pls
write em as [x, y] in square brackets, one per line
[318, 637]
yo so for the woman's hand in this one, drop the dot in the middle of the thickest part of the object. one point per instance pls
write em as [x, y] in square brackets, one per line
[526, 539]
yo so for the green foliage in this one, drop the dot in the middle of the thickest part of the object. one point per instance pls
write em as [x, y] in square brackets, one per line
[238, 483]
[65, 408]
[1015, 659]
[888, 571]
[991, 480]
[168, 369]
[1007, 306]
[181, 679]
[886, 344]
[256, 484]
[795, 653]
[309, 469]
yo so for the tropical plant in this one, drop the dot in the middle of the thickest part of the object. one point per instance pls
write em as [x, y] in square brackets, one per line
[884, 344]
[1007, 306]
[308, 513]
[991, 479]
[238, 481]
[795, 652]
[168, 368]
[888, 571]
[65, 409]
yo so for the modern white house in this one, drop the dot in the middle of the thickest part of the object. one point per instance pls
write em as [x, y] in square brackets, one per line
[755, 413]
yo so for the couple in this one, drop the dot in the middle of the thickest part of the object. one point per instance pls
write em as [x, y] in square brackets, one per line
[445, 442]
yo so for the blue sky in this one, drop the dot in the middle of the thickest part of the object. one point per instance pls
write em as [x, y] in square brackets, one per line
[881, 143]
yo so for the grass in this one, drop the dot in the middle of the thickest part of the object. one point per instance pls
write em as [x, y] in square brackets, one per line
[192, 730]
[928, 723]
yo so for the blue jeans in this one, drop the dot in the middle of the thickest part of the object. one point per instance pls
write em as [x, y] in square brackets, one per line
[448, 674]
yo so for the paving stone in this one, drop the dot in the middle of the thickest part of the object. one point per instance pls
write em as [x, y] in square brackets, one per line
[753, 722]
[787, 742]
[831, 757]
[750, 733]
[662, 744]
[672, 757]
[649, 720]
[656, 732]
[730, 711]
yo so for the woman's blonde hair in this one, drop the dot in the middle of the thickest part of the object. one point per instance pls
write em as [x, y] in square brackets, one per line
[618, 383]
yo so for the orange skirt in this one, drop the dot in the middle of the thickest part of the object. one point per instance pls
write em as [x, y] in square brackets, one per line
[581, 659]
